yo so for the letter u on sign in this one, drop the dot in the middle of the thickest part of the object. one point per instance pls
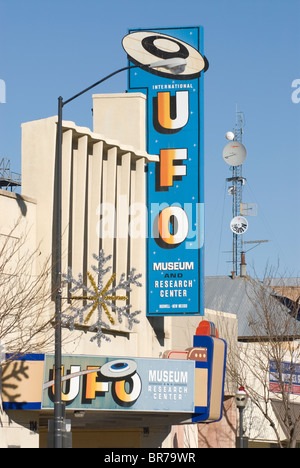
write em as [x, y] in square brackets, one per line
[170, 113]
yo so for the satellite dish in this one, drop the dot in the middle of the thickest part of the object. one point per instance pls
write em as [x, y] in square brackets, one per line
[229, 136]
[239, 225]
[234, 153]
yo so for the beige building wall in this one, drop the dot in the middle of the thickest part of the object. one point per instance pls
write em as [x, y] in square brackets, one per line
[18, 248]
[18, 213]
[121, 117]
[103, 193]
[17, 227]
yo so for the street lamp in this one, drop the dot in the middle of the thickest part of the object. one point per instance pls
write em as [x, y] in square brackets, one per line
[176, 66]
[241, 399]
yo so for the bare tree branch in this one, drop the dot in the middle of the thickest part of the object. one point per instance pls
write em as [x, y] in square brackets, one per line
[25, 325]
[269, 354]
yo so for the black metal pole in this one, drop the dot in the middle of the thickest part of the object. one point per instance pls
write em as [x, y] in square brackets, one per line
[59, 406]
[101, 81]
[59, 411]
[241, 431]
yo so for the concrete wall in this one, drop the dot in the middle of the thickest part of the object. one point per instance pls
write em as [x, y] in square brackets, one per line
[17, 226]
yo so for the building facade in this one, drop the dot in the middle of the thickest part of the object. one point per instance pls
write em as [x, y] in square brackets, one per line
[104, 213]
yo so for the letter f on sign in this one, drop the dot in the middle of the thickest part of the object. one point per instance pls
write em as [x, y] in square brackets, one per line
[168, 171]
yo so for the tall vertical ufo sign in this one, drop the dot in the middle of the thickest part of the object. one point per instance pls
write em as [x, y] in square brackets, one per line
[175, 192]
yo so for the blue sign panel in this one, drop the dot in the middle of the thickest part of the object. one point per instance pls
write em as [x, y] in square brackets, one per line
[190, 381]
[135, 384]
[175, 192]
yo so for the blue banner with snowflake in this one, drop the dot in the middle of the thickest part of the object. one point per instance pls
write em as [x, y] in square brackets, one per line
[175, 185]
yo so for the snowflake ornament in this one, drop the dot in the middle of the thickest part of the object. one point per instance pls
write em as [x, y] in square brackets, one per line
[98, 299]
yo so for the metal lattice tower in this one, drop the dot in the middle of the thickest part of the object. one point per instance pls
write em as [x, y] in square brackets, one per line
[8, 179]
[238, 182]
[235, 155]
[238, 195]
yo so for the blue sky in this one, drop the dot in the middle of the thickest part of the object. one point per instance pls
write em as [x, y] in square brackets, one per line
[58, 47]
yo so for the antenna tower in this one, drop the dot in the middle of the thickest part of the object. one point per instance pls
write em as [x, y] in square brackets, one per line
[237, 199]
[234, 154]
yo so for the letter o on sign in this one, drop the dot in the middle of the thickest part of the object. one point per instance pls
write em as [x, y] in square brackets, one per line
[146, 47]
[173, 226]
